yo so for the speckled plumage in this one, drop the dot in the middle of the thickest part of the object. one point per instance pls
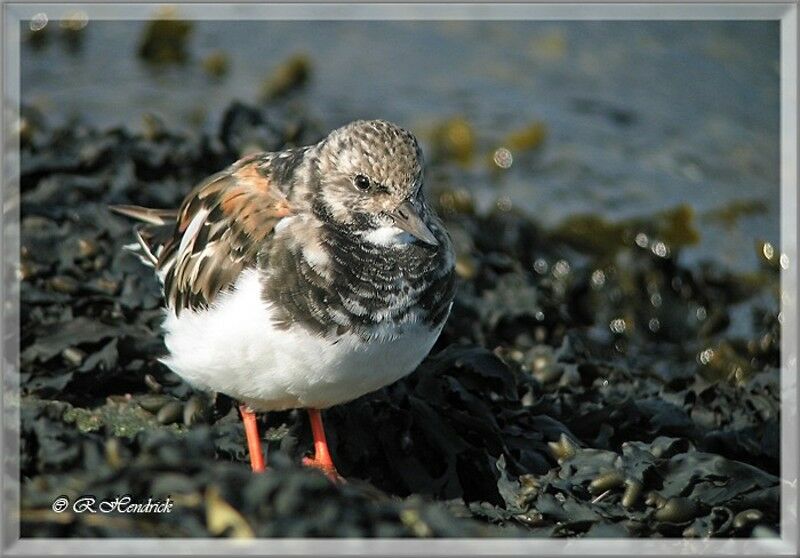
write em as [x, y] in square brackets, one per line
[345, 253]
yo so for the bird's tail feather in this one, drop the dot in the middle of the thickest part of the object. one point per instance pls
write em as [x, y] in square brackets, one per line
[146, 214]
[153, 234]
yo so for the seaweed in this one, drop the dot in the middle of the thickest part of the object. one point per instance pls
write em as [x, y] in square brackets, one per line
[589, 382]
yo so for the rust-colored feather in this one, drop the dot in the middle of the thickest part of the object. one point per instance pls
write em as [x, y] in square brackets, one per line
[228, 216]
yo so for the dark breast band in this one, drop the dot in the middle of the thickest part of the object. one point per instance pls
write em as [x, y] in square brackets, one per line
[364, 285]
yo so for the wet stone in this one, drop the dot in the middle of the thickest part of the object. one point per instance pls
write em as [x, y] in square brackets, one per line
[606, 481]
[153, 403]
[677, 510]
[633, 490]
[64, 284]
[152, 384]
[195, 410]
[747, 517]
[73, 356]
[170, 412]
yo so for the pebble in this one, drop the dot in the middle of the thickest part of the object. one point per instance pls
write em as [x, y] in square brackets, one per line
[747, 517]
[195, 410]
[606, 481]
[106, 286]
[87, 247]
[562, 450]
[169, 413]
[152, 384]
[542, 364]
[466, 267]
[112, 453]
[677, 510]
[64, 284]
[73, 356]
[153, 403]
[633, 489]
[530, 518]
[654, 499]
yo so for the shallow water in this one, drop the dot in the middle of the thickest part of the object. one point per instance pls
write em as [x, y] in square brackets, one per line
[639, 116]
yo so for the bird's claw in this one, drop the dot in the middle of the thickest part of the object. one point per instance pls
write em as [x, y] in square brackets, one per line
[326, 467]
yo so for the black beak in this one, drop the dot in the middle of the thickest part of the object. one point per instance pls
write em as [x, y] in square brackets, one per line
[407, 218]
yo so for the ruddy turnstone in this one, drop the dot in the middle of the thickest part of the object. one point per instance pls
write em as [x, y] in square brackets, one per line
[303, 278]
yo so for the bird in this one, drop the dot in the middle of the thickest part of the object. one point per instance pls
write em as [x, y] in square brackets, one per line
[302, 278]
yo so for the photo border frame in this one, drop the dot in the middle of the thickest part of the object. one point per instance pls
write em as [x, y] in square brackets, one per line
[12, 16]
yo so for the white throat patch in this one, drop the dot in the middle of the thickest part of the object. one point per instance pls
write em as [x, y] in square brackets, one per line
[389, 235]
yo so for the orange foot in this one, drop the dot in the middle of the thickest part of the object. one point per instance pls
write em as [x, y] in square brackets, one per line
[322, 456]
[326, 467]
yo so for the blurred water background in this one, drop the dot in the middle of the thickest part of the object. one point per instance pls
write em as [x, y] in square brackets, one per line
[615, 120]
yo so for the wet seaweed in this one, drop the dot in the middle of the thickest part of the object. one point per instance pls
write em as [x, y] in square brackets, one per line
[588, 383]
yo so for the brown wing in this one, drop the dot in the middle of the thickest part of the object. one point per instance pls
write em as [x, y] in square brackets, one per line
[220, 229]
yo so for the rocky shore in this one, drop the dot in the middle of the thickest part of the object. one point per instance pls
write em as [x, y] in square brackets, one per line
[588, 383]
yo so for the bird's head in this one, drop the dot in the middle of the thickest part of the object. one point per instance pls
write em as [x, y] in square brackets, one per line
[369, 179]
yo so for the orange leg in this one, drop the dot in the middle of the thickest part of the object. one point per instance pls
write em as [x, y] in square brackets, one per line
[253, 439]
[322, 455]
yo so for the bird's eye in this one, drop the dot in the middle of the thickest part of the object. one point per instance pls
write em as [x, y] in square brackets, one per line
[361, 182]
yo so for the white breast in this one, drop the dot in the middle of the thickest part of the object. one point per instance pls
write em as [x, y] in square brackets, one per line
[234, 348]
